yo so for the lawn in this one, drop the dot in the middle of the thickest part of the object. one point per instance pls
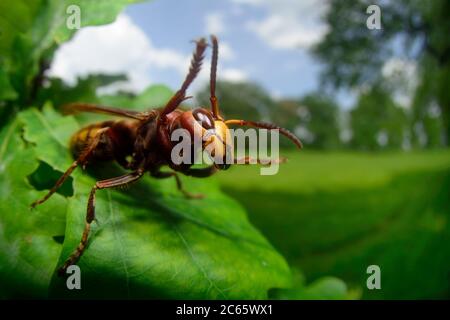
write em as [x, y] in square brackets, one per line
[337, 213]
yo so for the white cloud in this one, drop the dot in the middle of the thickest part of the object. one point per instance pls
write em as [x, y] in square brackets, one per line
[249, 2]
[214, 23]
[225, 51]
[228, 74]
[225, 74]
[283, 32]
[120, 47]
[289, 24]
[233, 75]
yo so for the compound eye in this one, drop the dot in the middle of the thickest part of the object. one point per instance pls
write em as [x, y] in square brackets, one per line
[204, 118]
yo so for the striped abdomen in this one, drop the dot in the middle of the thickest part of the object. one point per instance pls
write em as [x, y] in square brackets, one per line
[116, 143]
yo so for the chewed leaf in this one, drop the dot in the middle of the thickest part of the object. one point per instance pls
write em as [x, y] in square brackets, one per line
[149, 242]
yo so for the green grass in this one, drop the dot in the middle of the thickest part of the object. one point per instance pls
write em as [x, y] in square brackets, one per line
[337, 213]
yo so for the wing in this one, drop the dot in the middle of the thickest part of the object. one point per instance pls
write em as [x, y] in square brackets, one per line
[86, 107]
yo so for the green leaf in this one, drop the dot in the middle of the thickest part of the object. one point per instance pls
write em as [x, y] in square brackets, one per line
[31, 30]
[85, 90]
[44, 22]
[326, 288]
[150, 241]
[152, 97]
[16, 17]
[28, 249]
[93, 13]
[7, 92]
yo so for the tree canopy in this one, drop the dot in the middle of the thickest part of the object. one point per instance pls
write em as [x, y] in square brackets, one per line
[413, 30]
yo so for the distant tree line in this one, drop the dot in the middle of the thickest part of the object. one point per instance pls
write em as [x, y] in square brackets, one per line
[375, 122]
[414, 32]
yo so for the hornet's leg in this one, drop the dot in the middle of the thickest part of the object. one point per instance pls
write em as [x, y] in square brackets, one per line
[90, 214]
[81, 160]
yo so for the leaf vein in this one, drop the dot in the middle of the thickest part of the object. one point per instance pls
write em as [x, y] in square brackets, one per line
[47, 126]
[119, 242]
[7, 138]
[191, 254]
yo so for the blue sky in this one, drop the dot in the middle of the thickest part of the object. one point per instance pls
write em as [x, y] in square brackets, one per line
[265, 41]
[170, 23]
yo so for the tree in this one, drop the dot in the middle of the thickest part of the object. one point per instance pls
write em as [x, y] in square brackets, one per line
[286, 114]
[242, 100]
[314, 118]
[377, 122]
[323, 122]
[412, 29]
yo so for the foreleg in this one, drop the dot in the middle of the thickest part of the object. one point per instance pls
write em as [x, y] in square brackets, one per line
[81, 160]
[90, 214]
